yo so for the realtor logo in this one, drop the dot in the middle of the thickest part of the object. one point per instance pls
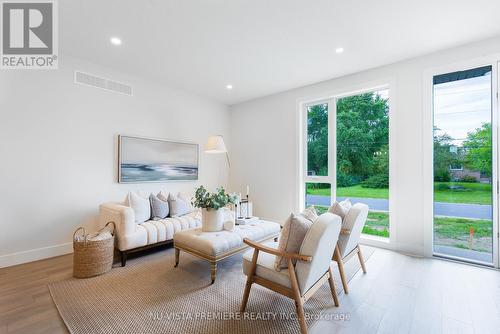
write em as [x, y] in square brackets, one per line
[29, 35]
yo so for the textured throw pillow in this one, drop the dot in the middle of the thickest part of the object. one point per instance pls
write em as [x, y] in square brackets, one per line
[159, 208]
[141, 207]
[163, 196]
[310, 213]
[178, 205]
[340, 208]
[292, 235]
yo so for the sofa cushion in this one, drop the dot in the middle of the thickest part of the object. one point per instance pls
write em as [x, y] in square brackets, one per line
[159, 208]
[294, 231]
[178, 205]
[152, 232]
[141, 207]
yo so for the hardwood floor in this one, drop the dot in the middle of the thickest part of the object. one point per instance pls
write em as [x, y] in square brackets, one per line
[25, 302]
[399, 294]
[402, 294]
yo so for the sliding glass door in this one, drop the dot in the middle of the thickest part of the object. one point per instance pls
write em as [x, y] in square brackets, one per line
[463, 165]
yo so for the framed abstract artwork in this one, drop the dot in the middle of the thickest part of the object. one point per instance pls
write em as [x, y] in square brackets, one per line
[142, 160]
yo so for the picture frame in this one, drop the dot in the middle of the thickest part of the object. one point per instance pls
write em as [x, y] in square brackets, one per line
[155, 160]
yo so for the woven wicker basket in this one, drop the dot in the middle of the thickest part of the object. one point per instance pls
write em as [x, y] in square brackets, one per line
[92, 258]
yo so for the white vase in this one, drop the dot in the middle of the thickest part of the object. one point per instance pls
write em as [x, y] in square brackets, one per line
[212, 220]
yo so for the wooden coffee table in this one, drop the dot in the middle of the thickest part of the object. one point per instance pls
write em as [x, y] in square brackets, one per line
[216, 246]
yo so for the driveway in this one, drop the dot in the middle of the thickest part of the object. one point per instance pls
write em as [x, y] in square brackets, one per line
[475, 211]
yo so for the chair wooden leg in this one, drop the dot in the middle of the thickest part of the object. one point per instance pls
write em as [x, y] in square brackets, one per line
[297, 297]
[249, 283]
[332, 287]
[338, 259]
[361, 260]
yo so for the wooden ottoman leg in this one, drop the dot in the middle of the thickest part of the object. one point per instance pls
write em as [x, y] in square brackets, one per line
[123, 256]
[177, 251]
[213, 271]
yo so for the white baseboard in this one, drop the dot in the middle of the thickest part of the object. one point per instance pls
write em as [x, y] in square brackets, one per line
[35, 254]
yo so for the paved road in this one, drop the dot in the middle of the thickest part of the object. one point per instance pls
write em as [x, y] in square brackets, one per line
[477, 211]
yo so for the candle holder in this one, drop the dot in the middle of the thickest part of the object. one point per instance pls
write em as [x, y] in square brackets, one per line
[248, 208]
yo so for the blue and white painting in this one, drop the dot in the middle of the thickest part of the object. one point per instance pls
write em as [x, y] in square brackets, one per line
[156, 160]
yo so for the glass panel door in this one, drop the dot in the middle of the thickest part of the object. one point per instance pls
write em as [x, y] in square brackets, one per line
[463, 173]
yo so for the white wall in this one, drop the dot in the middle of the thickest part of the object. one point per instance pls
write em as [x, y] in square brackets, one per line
[264, 140]
[58, 150]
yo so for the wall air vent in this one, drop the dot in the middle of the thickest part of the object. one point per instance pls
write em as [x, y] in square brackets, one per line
[87, 79]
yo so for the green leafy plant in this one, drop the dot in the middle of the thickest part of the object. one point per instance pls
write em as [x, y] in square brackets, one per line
[376, 181]
[204, 199]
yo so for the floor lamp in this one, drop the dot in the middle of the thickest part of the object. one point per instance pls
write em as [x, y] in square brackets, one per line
[215, 144]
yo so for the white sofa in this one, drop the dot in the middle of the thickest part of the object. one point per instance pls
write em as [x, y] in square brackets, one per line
[131, 237]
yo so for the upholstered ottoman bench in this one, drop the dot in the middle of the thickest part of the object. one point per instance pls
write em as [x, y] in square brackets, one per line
[216, 246]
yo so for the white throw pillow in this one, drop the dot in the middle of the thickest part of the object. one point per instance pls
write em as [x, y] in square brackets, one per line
[141, 207]
[292, 235]
[341, 208]
[178, 205]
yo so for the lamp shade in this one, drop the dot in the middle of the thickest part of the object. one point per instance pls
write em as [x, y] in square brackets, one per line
[215, 144]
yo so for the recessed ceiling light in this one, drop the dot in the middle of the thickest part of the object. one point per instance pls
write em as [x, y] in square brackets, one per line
[115, 41]
[339, 50]
[229, 87]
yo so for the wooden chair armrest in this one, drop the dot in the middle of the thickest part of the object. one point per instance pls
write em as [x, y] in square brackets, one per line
[265, 249]
[345, 231]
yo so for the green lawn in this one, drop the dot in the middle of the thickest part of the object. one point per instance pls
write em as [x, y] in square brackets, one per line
[448, 231]
[455, 232]
[455, 228]
[473, 193]
[377, 223]
[358, 191]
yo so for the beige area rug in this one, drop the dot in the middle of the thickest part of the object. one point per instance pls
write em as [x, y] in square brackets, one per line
[149, 295]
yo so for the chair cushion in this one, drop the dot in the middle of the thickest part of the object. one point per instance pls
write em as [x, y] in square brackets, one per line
[294, 231]
[341, 208]
[319, 243]
[141, 207]
[354, 222]
[159, 208]
[265, 266]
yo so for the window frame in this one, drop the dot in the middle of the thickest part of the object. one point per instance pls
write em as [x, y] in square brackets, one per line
[428, 147]
[332, 158]
[330, 178]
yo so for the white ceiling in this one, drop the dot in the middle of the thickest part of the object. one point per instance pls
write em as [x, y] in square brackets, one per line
[265, 46]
